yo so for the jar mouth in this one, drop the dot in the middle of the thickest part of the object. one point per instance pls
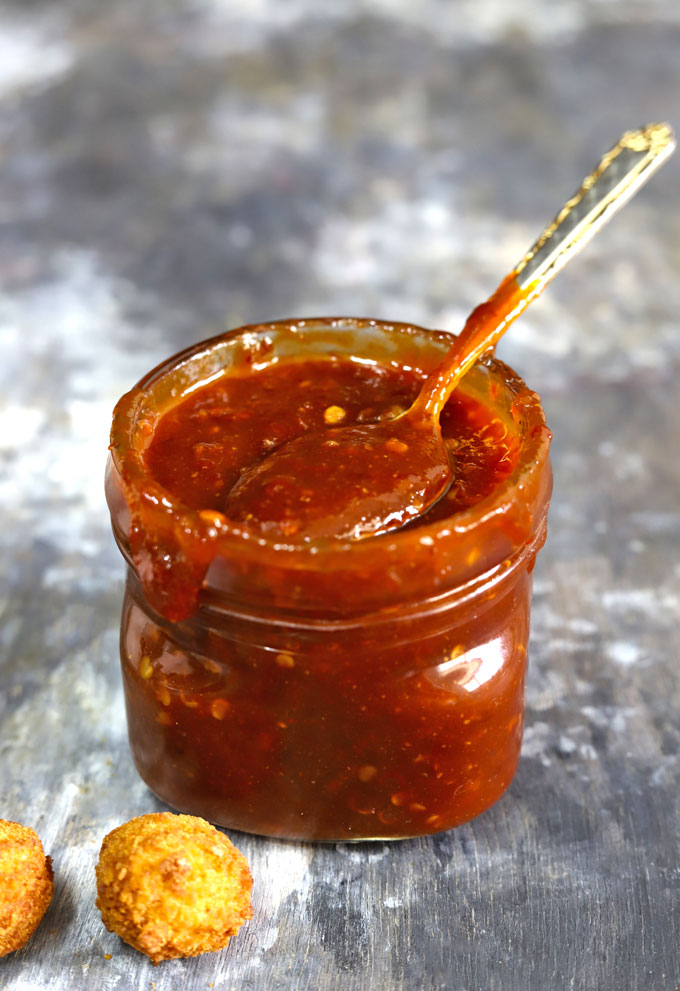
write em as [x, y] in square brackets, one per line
[475, 539]
[131, 413]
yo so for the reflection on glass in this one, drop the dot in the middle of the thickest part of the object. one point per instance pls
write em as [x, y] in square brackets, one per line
[470, 669]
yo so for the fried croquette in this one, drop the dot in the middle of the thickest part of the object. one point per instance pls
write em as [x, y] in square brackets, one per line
[172, 886]
[26, 885]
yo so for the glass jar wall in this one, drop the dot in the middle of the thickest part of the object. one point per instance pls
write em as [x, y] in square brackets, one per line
[352, 690]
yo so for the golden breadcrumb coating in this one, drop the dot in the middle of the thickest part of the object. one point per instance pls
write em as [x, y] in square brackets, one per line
[172, 886]
[26, 885]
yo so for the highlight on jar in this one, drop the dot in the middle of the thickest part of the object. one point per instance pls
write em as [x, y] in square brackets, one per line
[329, 527]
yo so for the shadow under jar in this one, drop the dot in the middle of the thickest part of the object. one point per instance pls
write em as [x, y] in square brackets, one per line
[343, 690]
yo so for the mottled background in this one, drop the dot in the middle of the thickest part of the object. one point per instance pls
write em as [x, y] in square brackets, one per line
[172, 167]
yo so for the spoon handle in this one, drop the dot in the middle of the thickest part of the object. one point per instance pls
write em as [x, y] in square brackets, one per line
[626, 167]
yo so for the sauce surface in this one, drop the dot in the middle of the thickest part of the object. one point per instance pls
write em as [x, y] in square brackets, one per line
[200, 447]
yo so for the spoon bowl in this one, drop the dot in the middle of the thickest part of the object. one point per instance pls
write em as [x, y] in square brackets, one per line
[405, 459]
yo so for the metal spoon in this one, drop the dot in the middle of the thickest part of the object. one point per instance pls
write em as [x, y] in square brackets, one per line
[367, 479]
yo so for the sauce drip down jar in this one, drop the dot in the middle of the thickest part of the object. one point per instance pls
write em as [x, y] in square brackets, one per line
[342, 691]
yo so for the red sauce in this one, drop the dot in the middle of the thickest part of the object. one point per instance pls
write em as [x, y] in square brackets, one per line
[373, 689]
[200, 447]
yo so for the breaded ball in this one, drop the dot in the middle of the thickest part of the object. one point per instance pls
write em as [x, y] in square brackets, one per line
[26, 885]
[172, 886]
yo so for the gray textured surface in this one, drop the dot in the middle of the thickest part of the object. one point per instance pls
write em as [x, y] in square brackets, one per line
[174, 167]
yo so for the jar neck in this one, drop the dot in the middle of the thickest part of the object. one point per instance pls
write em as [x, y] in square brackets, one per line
[225, 615]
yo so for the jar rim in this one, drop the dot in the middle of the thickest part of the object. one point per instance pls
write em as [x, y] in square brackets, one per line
[532, 451]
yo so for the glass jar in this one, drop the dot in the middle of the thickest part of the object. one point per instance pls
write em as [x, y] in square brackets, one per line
[347, 691]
